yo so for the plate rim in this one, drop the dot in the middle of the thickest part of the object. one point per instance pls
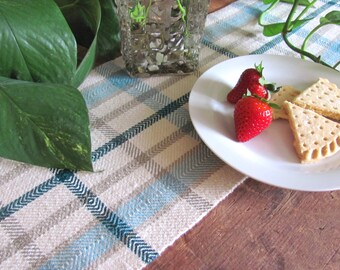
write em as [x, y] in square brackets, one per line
[252, 59]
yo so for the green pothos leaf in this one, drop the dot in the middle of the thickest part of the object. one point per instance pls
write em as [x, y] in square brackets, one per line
[36, 43]
[301, 2]
[331, 17]
[108, 36]
[277, 28]
[267, 2]
[84, 19]
[44, 124]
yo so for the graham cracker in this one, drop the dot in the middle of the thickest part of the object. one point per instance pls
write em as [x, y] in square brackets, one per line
[315, 136]
[322, 97]
[285, 93]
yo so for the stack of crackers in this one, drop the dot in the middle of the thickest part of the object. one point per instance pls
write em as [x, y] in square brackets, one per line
[313, 117]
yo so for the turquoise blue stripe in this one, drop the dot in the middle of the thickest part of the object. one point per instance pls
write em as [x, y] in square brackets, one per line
[213, 32]
[116, 83]
[150, 201]
[85, 250]
[65, 176]
[169, 187]
[119, 82]
[149, 96]
[82, 252]
[121, 79]
[332, 55]
[96, 94]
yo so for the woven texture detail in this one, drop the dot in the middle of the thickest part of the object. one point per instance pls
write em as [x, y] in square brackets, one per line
[154, 178]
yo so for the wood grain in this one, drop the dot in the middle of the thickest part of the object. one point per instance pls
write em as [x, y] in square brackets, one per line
[262, 227]
[218, 4]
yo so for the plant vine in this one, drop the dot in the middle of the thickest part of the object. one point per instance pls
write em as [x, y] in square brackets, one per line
[293, 22]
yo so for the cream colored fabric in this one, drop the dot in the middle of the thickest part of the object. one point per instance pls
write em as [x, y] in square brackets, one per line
[154, 178]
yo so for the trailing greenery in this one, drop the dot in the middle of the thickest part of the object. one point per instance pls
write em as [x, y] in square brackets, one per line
[293, 21]
[47, 49]
[139, 13]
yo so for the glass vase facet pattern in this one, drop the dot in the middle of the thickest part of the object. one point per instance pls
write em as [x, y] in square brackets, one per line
[161, 36]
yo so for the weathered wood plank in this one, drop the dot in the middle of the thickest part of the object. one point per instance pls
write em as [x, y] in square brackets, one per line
[217, 4]
[262, 227]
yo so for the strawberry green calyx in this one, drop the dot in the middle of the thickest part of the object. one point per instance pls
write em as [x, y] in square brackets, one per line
[272, 87]
[259, 68]
[271, 104]
[269, 85]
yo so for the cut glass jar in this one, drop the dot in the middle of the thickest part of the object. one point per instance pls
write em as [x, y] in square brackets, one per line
[161, 36]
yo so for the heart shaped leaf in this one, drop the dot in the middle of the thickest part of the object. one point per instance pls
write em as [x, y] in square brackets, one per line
[276, 28]
[84, 19]
[44, 124]
[108, 35]
[36, 42]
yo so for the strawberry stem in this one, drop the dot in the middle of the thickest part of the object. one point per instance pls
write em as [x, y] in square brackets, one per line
[259, 68]
[271, 104]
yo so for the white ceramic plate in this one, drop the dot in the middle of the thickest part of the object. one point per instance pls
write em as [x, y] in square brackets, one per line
[269, 157]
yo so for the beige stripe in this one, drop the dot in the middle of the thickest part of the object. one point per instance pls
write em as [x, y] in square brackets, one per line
[106, 256]
[132, 103]
[19, 169]
[140, 159]
[59, 248]
[24, 240]
[20, 239]
[150, 93]
[145, 159]
[198, 202]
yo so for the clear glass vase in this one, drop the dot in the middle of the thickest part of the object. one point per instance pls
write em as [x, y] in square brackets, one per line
[161, 36]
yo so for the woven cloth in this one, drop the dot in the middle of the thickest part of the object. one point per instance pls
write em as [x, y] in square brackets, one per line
[154, 178]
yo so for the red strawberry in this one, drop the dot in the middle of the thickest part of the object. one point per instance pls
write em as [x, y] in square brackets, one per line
[251, 79]
[252, 115]
[258, 90]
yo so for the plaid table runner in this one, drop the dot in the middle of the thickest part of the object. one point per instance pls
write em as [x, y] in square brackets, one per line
[154, 179]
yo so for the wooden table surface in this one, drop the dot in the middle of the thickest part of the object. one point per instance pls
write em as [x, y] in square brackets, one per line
[261, 227]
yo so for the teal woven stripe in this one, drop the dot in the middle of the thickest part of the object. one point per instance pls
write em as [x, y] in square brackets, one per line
[29, 197]
[138, 128]
[111, 221]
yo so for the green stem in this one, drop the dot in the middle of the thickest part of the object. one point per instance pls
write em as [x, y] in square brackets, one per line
[288, 28]
[184, 16]
[304, 44]
[261, 17]
[306, 9]
[288, 25]
[302, 52]
[298, 18]
[182, 9]
[337, 64]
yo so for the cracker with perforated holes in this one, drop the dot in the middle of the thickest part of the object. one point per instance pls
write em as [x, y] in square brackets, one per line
[322, 97]
[315, 136]
[285, 93]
